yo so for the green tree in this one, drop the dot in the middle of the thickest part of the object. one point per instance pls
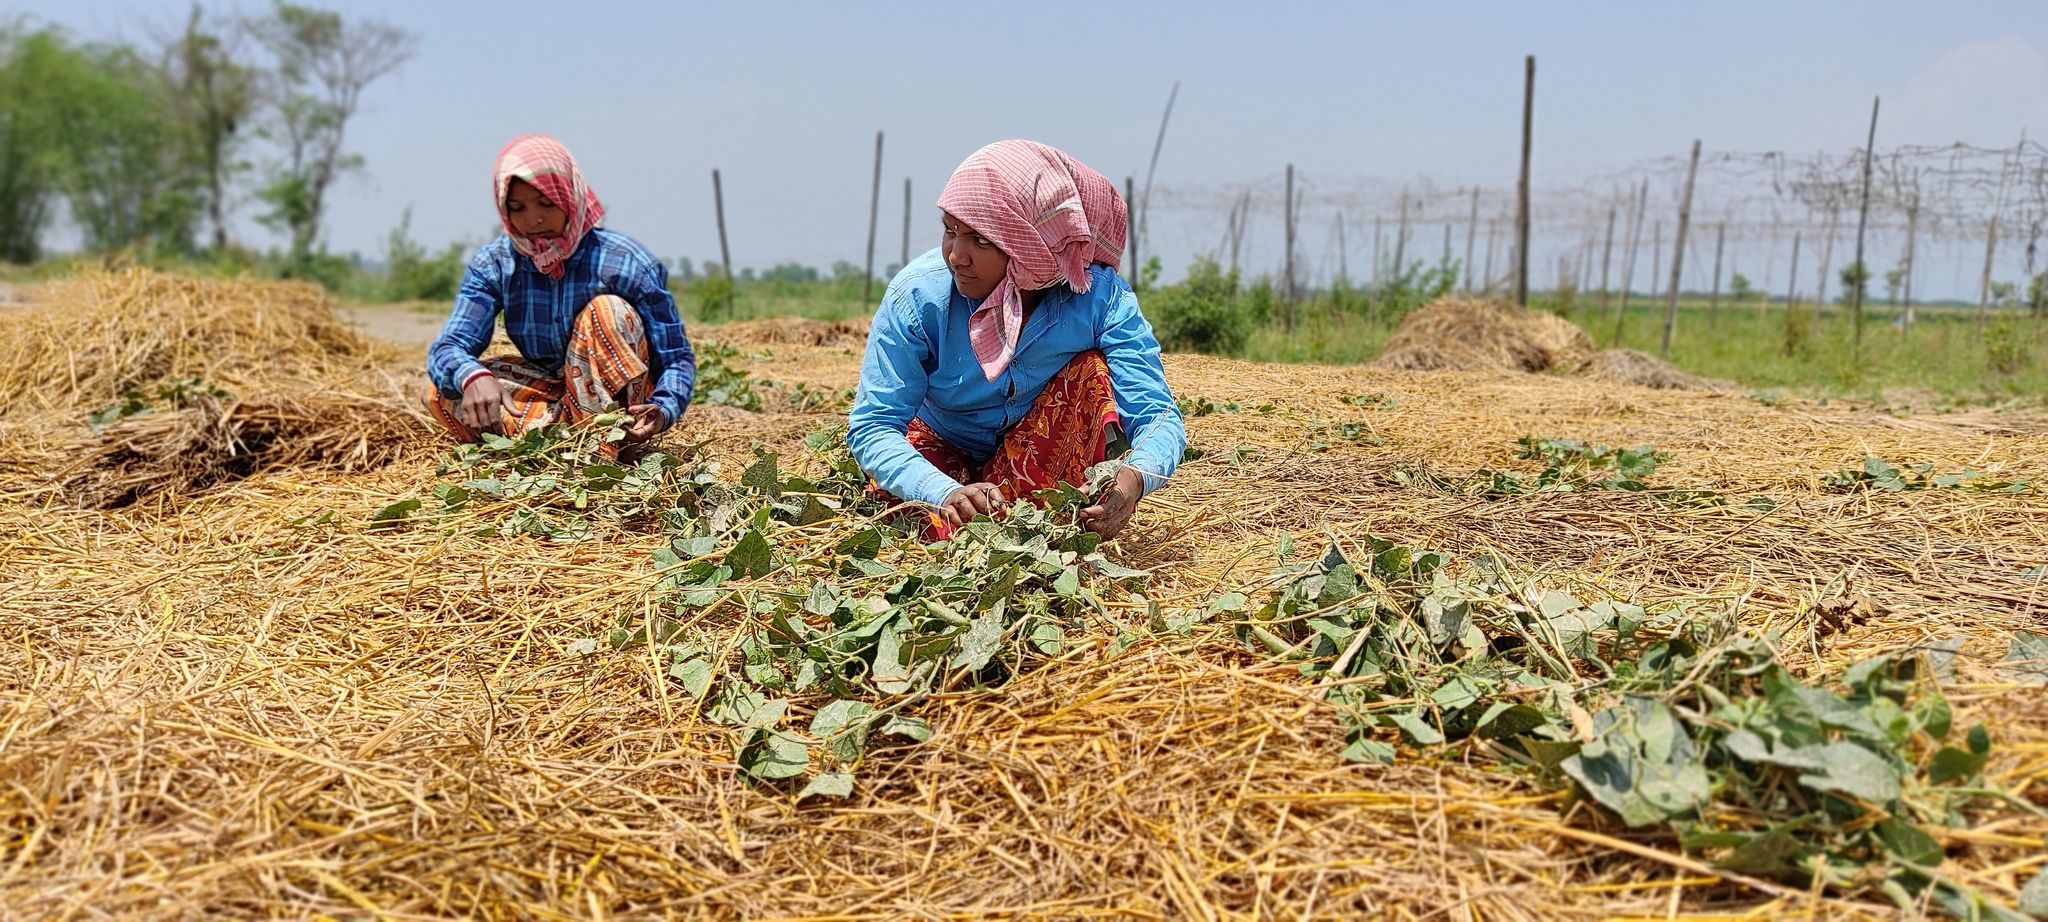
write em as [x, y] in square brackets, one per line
[323, 65]
[89, 124]
[29, 127]
[1740, 289]
[214, 95]
[1855, 284]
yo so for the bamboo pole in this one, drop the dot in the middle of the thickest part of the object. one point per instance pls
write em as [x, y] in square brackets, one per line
[724, 252]
[1714, 300]
[1628, 263]
[1471, 237]
[1606, 257]
[1678, 253]
[867, 280]
[1862, 222]
[1522, 185]
[906, 223]
[1288, 285]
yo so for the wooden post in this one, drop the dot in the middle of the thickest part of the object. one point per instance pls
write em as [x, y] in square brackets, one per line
[1628, 262]
[1136, 269]
[1343, 256]
[1446, 259]
[1912, 231]
[1862, 221]
[1678, 253]
[1401, 240]
[1984, 287]
[1792, 281]
[906, 223]
[1244, 217]
[1377, 222]
[1606, 257]
[1827, 259]
[867, 280]
[1139, 213]
[1471, 237]
[1522, 186]
[1714, 300]
[1492, 241]
[1656, 253]
[724, 252]
[1288, 282]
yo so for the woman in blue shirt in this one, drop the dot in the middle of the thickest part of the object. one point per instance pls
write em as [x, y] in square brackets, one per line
[588, 309]
[1014, 357]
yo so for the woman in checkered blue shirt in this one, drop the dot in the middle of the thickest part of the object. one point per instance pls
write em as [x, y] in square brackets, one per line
[588, 309]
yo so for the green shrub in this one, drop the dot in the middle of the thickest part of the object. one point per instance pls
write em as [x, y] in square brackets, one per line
[1202, 313]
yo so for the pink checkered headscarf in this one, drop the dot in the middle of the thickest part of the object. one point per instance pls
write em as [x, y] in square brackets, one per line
[1051, 214]
[543, 163]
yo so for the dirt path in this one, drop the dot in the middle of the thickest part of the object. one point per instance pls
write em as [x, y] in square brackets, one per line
[404, 324]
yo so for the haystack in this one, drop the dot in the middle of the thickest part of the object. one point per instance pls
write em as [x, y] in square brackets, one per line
[189, 450]
[1641, 369]
[790, 331]
[1473, 335]
[86, 340]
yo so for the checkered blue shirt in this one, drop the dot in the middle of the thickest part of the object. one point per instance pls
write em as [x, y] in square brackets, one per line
[540, 311]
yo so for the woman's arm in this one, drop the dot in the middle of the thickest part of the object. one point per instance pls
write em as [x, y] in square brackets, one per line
[893, 381]
[668, 344]
[1151, 419]
[452, 359]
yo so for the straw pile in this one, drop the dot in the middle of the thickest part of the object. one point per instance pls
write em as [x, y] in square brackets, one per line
[1473, 335]
[230, 712]
[791, 331]
[1640, 369]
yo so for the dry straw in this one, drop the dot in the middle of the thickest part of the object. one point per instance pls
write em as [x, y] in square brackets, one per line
[216, 705]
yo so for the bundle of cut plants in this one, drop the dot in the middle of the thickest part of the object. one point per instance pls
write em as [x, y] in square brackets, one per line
[89, 339]
[1627, 366]
[209, 441]
[785, 331]
[1473, 335]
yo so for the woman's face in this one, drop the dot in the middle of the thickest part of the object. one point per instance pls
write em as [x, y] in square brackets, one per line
[976, 263]
[531, 214]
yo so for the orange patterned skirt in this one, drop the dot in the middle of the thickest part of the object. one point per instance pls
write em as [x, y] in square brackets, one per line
[1066, 430]
[606, 365]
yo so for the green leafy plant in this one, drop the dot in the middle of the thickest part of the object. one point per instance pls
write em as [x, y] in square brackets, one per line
[1884, 476]
[1668, 716]
[169, 395]
[719, 383]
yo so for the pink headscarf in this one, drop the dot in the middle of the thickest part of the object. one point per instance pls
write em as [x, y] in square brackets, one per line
[1052, 215]
[543, 163]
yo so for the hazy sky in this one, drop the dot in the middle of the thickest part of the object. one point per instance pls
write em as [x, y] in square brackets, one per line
[785, 98]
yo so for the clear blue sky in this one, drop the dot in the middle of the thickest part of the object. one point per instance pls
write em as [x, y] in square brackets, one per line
[785, 98]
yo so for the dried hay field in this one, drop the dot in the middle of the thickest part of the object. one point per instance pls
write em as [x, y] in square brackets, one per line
[225, 691]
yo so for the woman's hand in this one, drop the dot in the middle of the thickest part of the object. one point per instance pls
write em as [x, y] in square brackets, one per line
[482, 408]
[969, 501]
[1112, 510]
[648, 421]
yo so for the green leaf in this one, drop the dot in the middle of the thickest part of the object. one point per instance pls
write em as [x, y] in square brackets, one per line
[693, 548]
[780, 755]
[390, 516]
[1367, 749]
[1103, 566]
[1416, 725]
[1503, 720]
[1851, 769]
[752, 556]
[1771, 853]
[891, 673]
[1454, 694]
[1952, 764]
[1979, 741]
[2034, 896]
[914, 729]
[761, 477]
[983, 640]
[2027, 658]
[843, 725]
[695, 674]
[828, 784]
[1619, 772]
[1909, 843]
[1048, 638]
[1068, 584]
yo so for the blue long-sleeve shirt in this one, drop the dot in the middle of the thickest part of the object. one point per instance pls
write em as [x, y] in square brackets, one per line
[540, 311]
[921, 364]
